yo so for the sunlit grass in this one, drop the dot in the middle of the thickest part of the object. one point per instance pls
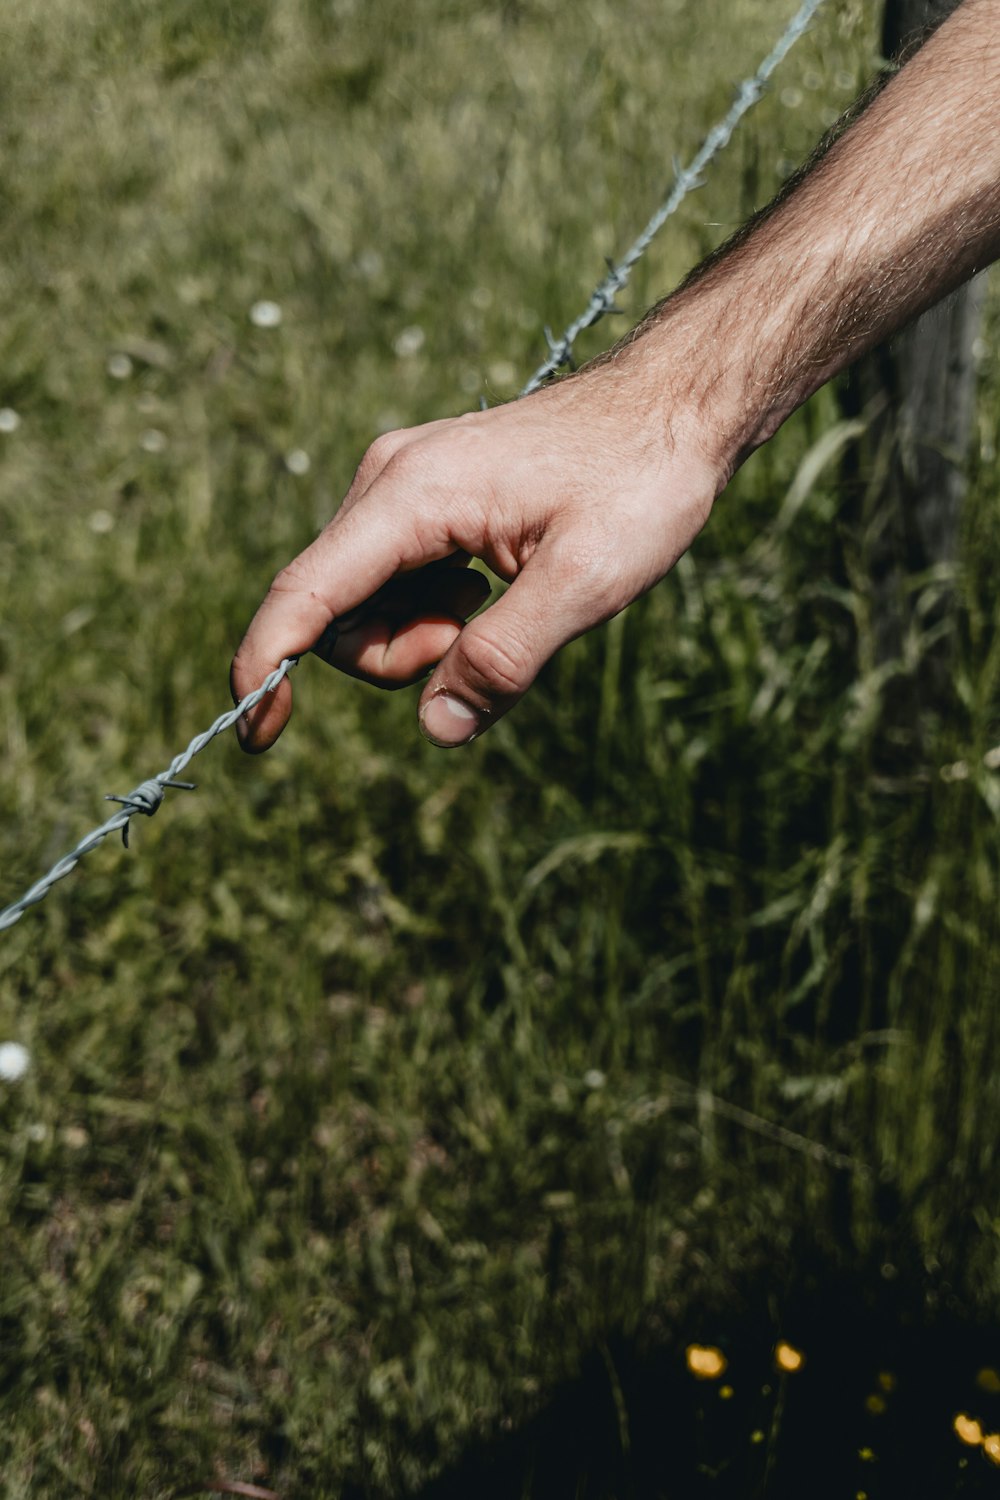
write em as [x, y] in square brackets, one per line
[374, 1087]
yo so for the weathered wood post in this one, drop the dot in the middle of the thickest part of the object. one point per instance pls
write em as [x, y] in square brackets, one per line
[913, 465]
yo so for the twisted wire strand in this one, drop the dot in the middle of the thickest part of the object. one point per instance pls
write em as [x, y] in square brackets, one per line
[145, 799]
[686, 180]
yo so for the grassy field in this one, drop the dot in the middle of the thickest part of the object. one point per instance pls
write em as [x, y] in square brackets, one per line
[393, 1111]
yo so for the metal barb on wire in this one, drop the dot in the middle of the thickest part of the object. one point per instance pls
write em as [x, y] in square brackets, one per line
[145, 799]
[148, 795]
[686, 180]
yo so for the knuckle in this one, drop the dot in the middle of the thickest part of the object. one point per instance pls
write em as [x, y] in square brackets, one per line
[501, 664]
[289, 579]
[381, 451]
[377, 457]
[409, 467]
[595, 570]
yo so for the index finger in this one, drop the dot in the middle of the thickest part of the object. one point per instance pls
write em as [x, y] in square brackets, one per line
[355, 555]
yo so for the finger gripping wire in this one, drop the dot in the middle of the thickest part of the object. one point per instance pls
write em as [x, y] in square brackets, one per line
[146, 799]
[148, 795]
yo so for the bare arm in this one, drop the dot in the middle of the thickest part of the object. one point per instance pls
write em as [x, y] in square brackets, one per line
[585, 494]
[903, 208]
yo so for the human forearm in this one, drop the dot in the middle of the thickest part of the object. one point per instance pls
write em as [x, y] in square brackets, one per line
[902, 208]
[583, 495]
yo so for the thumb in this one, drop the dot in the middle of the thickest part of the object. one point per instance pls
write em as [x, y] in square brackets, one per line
[498, 655]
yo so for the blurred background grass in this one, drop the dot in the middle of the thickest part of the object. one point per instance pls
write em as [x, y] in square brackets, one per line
[376, 1086]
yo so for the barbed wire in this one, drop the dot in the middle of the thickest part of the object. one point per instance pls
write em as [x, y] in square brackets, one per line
[145, 799]
[686, 180]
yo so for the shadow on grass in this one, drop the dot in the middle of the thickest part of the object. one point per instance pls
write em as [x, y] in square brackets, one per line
[870, 1413]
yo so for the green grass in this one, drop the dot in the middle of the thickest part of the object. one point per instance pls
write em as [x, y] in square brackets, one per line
[374, 1086]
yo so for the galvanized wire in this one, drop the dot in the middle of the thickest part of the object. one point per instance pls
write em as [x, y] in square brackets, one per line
[686, 180]
[145, 799]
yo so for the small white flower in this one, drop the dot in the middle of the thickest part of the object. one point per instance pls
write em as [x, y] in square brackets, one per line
[153, 440]
[265, 315]
[119, 366]
[15, 1061]
[101, 521]
[298, 461]
[9, 419]
[76, 619]
[594, 1078]
[370, 263]
[409, 342]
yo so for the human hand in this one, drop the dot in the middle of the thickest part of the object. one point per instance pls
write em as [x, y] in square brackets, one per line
[581, 497]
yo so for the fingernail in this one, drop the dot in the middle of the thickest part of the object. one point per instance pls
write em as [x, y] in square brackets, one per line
[447, 721]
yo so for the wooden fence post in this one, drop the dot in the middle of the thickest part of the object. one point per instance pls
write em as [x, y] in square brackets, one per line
[912, 466]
